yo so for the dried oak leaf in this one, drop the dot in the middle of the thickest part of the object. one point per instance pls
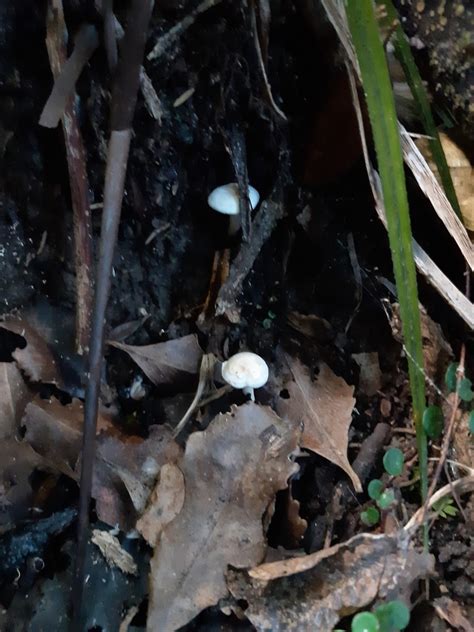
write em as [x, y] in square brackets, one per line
[55, 431]
[164, 504]
[325, 408]
[36, 360]
[314, 592]
[125, 471]
[232, 472]
[14, 394]
[164, 362]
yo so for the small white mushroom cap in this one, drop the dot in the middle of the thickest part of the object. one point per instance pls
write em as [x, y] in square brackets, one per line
[225, 199]
[245, 370]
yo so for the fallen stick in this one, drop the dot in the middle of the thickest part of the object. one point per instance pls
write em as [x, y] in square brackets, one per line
[124, 97]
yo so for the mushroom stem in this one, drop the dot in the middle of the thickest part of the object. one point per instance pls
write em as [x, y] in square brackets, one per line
[248, 390]
[234, 224]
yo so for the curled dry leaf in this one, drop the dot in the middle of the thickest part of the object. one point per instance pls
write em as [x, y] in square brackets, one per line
[14, 394]
[165, 502]
[325, 408]
[163, 363]
[36, 360]
[232, 472]
[113, 552]
[315, 591]
[125, 472]
[55, 432]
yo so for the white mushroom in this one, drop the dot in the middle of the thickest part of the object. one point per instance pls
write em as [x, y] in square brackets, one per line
[245, 370]
[225, 200]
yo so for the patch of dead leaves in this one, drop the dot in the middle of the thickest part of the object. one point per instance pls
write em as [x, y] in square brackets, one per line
[36, 359]
[55, 431]
[232, 472]
[324, 407]
[125, 471]
[315, 591]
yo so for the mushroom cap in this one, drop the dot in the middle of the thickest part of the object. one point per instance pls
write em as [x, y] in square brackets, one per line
[245, 370]
[225, 199]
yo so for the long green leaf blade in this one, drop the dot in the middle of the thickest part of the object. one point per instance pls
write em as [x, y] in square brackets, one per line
[381, 107]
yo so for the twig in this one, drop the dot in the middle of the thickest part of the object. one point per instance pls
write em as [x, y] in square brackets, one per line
[270, 213]
[124, 98]
[165, 41]
[261, 63]
[462, 486]
[56, 39]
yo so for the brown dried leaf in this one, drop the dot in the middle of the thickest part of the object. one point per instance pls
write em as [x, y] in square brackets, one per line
[232, 472]
[113, 552]
[315, 591]
[36, 360]
[125, 472]
[55, 431]
[450, 611]
[14, 395]
[325, 408]
[164, 362]
[165, 503]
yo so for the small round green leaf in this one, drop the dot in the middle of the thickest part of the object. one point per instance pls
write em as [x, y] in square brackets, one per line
[374, 488]
[365, 622]
[470, 422]
[450, 377]
[465, 391]
[386, 499]
[370, 516]
[393, 461]
[433, 421]
[393, 615]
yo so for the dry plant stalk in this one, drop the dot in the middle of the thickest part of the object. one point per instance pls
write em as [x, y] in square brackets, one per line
[56, 38]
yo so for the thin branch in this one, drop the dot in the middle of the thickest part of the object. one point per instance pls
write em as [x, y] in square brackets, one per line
[56, 39]
[124, 98]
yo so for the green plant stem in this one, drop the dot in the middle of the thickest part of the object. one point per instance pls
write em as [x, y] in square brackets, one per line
[381, 107]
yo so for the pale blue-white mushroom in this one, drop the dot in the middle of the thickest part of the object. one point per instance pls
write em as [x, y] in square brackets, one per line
[225, 200]
[245, 370]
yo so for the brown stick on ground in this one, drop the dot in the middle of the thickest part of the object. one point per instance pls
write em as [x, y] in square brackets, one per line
[56, 39]
[124, 97]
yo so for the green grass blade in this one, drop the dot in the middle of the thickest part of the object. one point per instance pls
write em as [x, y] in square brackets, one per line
[381, 107]
[415, 82]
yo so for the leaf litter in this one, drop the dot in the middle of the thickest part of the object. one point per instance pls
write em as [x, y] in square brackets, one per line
[232, 472]
[315, 591]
